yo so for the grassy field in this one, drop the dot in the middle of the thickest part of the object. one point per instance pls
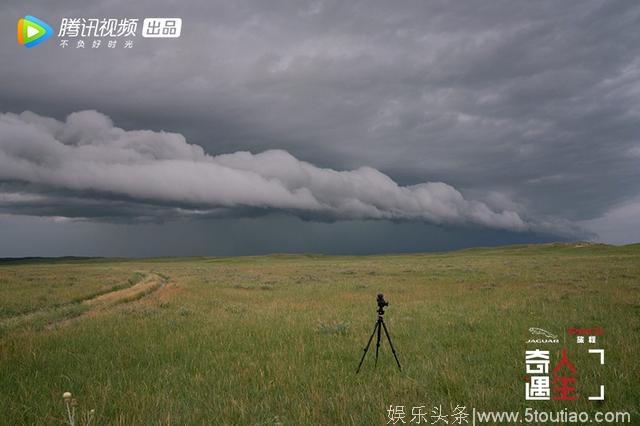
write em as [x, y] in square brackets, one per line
[276, 339]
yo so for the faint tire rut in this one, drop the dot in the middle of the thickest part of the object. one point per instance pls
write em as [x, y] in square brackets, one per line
[151, 283]
[55, 317]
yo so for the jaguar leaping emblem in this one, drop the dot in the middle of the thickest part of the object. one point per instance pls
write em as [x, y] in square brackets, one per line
[543, 332]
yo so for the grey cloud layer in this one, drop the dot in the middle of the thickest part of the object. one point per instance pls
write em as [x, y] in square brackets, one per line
[538, 102]
[88, 158]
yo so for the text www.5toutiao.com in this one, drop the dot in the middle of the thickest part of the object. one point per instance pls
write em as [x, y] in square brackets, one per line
[564, 416]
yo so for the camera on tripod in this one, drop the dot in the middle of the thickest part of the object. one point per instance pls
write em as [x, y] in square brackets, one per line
[381, 303]
[379, 327]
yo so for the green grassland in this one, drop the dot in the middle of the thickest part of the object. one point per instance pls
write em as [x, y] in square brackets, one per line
[276, 339]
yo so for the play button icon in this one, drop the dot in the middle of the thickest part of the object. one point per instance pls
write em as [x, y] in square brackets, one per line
[33, 31]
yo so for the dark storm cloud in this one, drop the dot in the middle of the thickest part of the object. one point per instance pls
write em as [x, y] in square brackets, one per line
[102, 171]
[33, 236]
[532, 107]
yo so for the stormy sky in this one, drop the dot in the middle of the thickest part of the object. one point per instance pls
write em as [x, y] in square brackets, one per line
[336, 127]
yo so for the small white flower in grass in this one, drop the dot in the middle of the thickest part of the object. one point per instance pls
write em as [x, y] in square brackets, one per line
[66, 396]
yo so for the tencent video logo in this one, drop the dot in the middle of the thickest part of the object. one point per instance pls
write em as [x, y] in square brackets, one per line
[33, 31]
[97, 33]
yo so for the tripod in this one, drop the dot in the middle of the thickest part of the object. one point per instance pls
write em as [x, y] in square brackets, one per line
[378, 329]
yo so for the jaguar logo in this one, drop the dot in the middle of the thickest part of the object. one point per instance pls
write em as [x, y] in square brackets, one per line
[544, 336]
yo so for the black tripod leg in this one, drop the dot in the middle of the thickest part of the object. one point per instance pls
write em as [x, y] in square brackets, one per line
[391, 344]
[366, 348]
[378, 342]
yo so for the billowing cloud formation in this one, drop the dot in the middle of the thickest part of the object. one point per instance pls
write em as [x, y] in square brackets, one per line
[87, 167]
